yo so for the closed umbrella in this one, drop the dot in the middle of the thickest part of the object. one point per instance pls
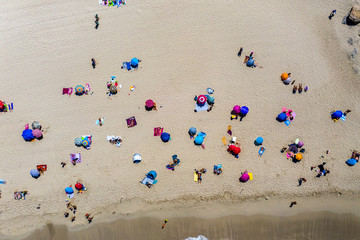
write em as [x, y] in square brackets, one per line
[69, 190]
[134, 62]
[202, 99]
[245, 177]
[86, 142]
[78, 142]
[37, 133]
[137, 158]
[36, 125]
[149, 103]
[113, 89]
[244, 110]
[79, 186]
[27, 135]
[236, 109]
[192, 131]
[35, 173]
[79, 90]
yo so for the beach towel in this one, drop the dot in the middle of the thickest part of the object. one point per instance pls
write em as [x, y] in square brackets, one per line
[201, 108]
[173, 167]
[148, 180]
[2, 181]
[41, 167]
[75, 157]
[293, 116]
[224, 140]
[343, 118]
[229, 130]
[67, 91]
[9, 107]
[195, 177]
[158, 131]
[87, 87]
[216, 167]
[127, 65]
[284, 109]
[287, 122]
[20, 195]
[131, 122]
[202, 134]
[250, 176]
[261, 151]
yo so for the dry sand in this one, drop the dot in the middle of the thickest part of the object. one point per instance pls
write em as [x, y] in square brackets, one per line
[185, 47]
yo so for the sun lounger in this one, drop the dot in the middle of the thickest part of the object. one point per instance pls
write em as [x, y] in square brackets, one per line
[198, 108]
[261, 151]
[75, 157]
[131, 122]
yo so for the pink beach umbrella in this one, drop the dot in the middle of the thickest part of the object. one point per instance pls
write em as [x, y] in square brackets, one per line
[149, 103]
[37, 133]
[244, 178]
[236, 109]
[300, 144]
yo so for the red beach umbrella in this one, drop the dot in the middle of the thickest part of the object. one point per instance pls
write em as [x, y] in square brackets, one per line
[202, 99]
[1, 104]
[234, 149]
[149, 103]
[79, 186]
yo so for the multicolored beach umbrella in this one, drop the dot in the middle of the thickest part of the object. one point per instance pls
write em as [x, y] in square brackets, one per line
[86, 142]
[113, 89]
[149, 103]
[202, 99]
[79, 89]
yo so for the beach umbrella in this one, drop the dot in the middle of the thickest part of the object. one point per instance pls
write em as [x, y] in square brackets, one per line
[351, 162]
[85, 142]
[281, 117]
[245, 177]
[36, 125]
[259, 141]
[152, 174]
[37, 133]
[79, 186]
[192, 131]
[165, 137]
[284, 76]
[337, 114]
[69, 190]
[137, 158]
[1, 104]
[134, 62]
[35, 173]
[297, 141]
[27, 135]
[300, 144]
[244, 110]
[210, 100]
[113, 89]
[237, 109]
[199, 140]
[293, 148]
[250, 62]
[78, 142]
[234, 149]
[79, 89]
[202, 99]
[298, 156]
[149, 103]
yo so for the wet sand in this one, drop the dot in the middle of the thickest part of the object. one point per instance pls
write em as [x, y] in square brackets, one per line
[324, 225]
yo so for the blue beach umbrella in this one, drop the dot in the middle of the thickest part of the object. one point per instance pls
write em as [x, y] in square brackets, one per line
[259, 141]
[152, 174]
[69, 190]
[199, 140]
[137, 158]
[244, 110]
[351, 162]
[35, 173]
[281, 117]
[27, 135]
[250, 62]
[210, 100]
[192, 131]
[134, 62]
[337, 114]
[78, 142]
[165, 137]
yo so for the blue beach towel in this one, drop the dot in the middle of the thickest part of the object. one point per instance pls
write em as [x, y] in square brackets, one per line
[261, 152]
[287, 122]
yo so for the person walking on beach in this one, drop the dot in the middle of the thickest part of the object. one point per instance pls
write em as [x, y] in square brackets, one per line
[93, 63]
[63, 164]
[293, 203]
[164, 224]
[346, 112]
[97, 21]
[301, 180]
[240, 52]
[251, 54]
[332, 14]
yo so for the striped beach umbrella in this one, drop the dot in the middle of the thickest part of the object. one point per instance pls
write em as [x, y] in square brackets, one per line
[79, 89]
[78, 142]
[202, 99]
[86, 142]
[113, 89]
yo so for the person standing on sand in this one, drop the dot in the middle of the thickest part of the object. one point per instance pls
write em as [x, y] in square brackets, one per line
[332, 14]
[93, 63]
[240, 52]
[293, 203]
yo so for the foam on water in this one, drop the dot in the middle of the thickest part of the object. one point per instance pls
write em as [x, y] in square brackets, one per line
[200, 237]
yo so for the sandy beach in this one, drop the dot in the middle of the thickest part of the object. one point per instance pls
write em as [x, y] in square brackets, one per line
[185, 47]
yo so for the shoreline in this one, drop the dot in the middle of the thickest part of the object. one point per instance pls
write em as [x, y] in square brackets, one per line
[273, 207]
